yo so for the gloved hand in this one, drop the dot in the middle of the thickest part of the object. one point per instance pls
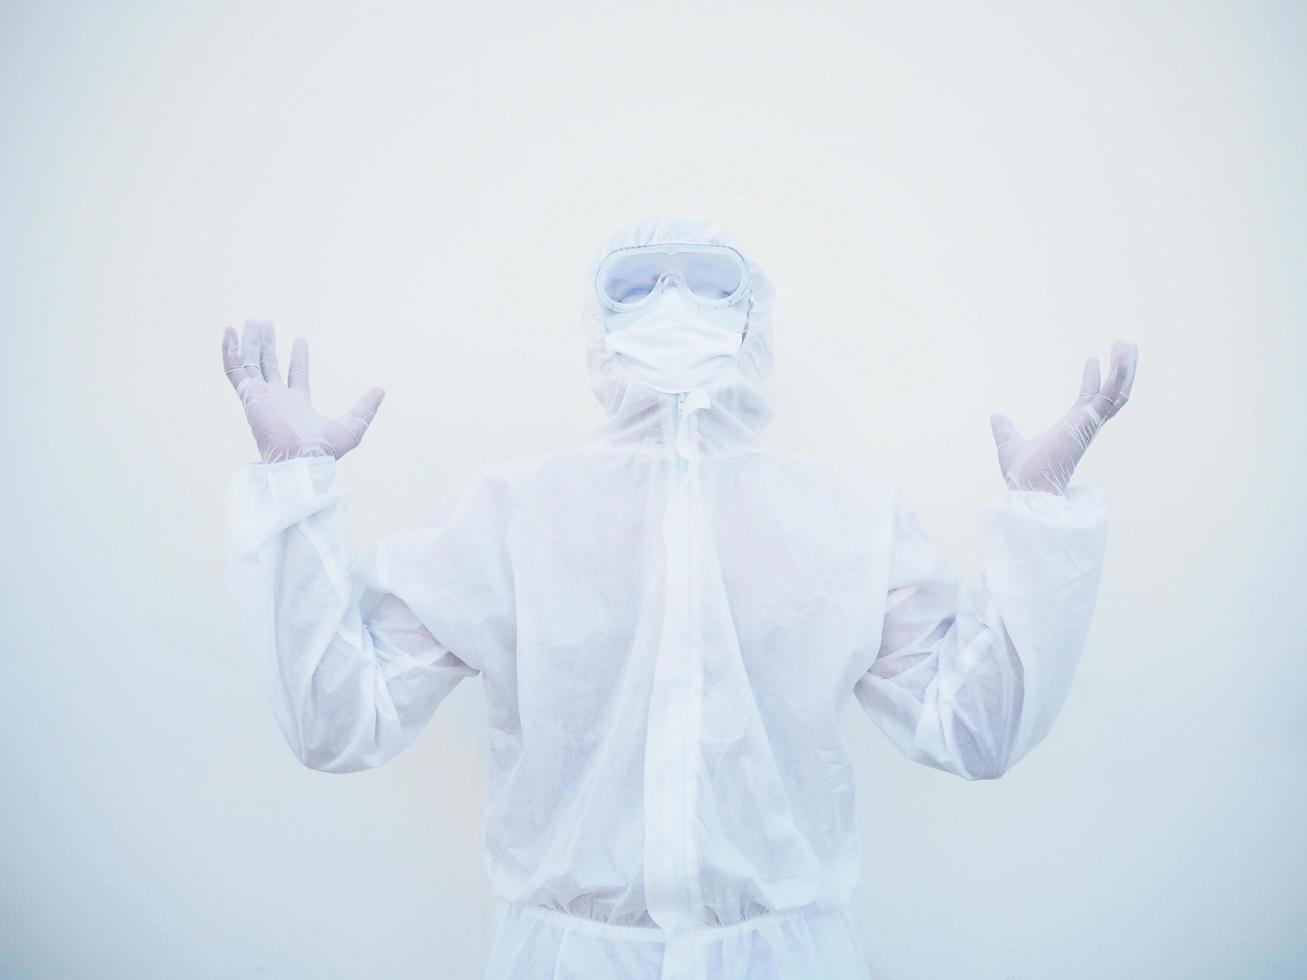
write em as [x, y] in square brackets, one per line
[285, 424]
[1047, 461]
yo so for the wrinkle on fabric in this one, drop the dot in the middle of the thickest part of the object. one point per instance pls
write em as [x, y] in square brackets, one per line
[667, 622]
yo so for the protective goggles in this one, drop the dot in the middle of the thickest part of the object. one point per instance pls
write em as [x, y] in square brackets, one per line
[632, 278]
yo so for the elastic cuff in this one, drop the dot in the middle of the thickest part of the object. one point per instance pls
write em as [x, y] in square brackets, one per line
[315, 459]
[1076, 506]
[268, 497]
[1037, 543]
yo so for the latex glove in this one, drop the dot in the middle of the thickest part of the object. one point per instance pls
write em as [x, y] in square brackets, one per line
[284, 423]
[1047, 461]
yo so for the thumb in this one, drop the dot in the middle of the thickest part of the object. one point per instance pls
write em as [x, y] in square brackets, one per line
[360, 416]
[1004, 429]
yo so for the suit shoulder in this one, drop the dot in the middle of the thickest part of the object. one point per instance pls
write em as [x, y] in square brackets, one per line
[519, 478]
[514, 470]
[843, 474]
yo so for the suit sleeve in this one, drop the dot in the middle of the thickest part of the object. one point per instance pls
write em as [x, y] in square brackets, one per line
[970, 677]
[357, 655]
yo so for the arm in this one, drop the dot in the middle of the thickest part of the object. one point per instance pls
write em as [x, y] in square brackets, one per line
[352, 673]
[970, 679]
[349, 651]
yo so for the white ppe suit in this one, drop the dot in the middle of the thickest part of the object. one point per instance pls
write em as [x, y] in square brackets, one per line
[669, 622]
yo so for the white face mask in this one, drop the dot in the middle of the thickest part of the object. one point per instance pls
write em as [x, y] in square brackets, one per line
[675, 345]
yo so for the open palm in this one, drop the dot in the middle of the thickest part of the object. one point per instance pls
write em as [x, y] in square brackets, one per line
[284, 421]
[1047, 461]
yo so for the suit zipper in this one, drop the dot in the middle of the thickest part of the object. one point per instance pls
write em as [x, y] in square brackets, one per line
[676, 435]
[688, 871]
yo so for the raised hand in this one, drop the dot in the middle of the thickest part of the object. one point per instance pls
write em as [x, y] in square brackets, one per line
[1047, 461]
[284, 422]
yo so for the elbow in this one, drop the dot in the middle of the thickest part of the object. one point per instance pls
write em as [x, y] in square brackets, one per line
[986, 770]
[978, 756]
[338, 731]
[964, 761]
[323, 752]
[326, 761]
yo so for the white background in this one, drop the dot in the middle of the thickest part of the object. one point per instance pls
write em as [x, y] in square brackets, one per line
[957, 206]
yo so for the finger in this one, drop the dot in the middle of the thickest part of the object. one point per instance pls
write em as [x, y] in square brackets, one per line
[249, 373]
[1089, 383]
[268, 365]
[1129, 354]
[1004, 429]
[1116, 379]
[297, 375]
[251, 340]
[358, 418]
[231, 357]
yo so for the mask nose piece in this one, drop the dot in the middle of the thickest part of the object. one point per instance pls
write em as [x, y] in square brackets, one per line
[671, 280]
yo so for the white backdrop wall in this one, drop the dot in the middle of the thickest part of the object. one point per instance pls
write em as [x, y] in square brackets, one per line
[958, 203]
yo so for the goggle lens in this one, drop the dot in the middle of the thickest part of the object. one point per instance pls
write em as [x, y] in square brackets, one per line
[715, 273]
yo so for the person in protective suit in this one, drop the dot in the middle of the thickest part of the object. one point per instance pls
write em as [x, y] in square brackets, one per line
[669, 621]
